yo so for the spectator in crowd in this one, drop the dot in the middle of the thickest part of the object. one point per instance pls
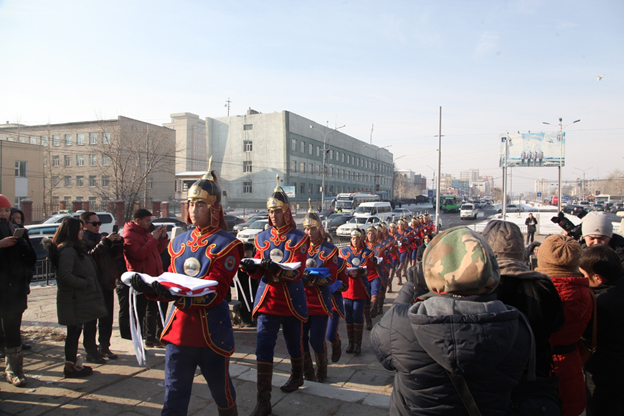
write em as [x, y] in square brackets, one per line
[17, 217]
[603, 371]
[79, 297]
[531, 254]
[17, 258]
[421, 250]
[458, 331]
[597, 228]
[531, 223]
[559, 257]
[142, 250]
[104, 250]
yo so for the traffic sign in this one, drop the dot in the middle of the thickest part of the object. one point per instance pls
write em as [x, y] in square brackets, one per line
[539, 194]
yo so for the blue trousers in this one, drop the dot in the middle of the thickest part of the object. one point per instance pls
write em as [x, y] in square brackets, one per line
[332, 328]
[403, 258]
[314, 333]
[375, 286]
[354, 311]
[266, 337]
[180, 365]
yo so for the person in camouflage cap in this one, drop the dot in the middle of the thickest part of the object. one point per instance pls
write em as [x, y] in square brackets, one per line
[459, 260]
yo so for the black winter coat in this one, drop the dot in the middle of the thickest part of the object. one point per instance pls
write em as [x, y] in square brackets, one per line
[15, 270]
[104, 252]
[477, 337]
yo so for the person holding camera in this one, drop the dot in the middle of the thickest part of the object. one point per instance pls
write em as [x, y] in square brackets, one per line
[104, 249]
[597, 228]
[17, 258]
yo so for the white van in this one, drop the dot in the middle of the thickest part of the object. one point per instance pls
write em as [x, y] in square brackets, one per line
[383, 210]
[468, 211]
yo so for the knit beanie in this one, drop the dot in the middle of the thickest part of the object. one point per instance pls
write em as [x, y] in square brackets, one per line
[559, 256]
[4, 202]
[459, 260]
[505, 239]
[597, 223]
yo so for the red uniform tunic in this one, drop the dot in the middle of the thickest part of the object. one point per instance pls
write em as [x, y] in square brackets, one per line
[319, 298]
[363, 257]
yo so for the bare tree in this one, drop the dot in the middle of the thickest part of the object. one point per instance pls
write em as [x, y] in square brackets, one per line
[614, 184]
[132, 156]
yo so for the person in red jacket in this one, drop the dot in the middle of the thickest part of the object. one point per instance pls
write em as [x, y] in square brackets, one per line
[559, 257]
[142, 250]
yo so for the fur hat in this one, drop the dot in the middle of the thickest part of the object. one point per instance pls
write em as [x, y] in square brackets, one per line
[505, 239]
[597, 223]
[559, 256]
[459, 260]
[4, 202]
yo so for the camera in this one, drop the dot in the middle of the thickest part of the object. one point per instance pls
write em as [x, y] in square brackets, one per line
[574, 231]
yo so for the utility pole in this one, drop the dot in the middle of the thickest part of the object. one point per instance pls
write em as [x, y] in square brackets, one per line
[227, 104]
[437, 218]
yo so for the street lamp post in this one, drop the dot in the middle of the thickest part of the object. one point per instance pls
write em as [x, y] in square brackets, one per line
[325, 150]
[561, 127]
[377, 169]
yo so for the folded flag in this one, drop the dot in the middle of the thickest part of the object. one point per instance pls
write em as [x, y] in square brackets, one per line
[178, 284]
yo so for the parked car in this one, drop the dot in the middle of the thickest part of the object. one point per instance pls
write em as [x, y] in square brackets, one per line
[356, 222]
[573, 209]
[169, 219]
[325, 213]
[232, 220]
[108, 221]
[332, 225]
[39, 229]
[249, 234]
[597, 207]
[617, 207]
[244, 225]
[468, 211]
[399, 213]
[43, 267]
[512, 208]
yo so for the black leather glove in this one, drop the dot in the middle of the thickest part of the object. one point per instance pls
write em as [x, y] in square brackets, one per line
[269, 265]
[248, 266]
[139, 285]
[308, 278]
[162, 291]
[361, 271]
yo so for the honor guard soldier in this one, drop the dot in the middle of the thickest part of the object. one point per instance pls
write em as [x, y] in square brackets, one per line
[338, 310]
[359, 260]
[280, 299]
[321, 254]
[198, 331]
[374, 278]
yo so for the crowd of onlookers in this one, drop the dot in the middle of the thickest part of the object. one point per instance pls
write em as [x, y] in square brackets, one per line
[483, 322]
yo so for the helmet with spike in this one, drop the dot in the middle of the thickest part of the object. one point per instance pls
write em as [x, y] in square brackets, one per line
[206, 189]
[311, 219]
[279, 199]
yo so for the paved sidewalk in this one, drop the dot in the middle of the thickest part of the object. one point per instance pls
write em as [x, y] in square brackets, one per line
[355, 385]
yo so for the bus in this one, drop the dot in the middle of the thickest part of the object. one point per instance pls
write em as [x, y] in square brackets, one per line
[607, 198]
[449, 203]
[348, 202]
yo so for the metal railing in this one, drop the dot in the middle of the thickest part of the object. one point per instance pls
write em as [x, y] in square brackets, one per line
[44, 272]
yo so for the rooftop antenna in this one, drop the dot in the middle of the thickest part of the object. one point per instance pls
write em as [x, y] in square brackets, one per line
[371, 136]
[227, 104]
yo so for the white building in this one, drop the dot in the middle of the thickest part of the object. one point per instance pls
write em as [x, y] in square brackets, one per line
[249, 150]
[190, 142]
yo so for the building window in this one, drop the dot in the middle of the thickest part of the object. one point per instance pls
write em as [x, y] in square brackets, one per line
[92, 138]
[331, 154]
[69, 140]
[22, 139]
[247, 166]
[44, 141]
[80, 139]
[311, 168]
[247, 126]
[106, 160]
[79, 180]
[106, 138]
[92, 160]
[32, 140]
[331, 190]
[318, 189]
[247, 146]
[105, 181]
[67, 180]
[302, 188]
[247, 187]
[302, 167]
[79, 160]
[67, 160]
[342, 157]
[56, 140]
[293, 145]
[318, 169]
[310, 188]
[150, 183]
[55, 160]
[293, 166]
[20, 169]
[310, 148]
[55, 180]
[302, 147]
[92, 181]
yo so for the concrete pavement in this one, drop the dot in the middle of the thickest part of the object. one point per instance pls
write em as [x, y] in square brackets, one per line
[355, 385]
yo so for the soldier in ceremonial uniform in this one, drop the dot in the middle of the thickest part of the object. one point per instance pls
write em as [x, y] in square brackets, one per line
[321, 254]
[198, 331]
[394, 253]
[404, 249]
[280, 299]
[338, 310]
[374, 278]
[359, 260]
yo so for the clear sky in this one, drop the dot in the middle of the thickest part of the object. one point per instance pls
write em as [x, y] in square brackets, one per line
[494, 67]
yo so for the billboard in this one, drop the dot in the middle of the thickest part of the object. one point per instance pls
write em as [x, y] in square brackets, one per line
[533, 150]
[289, 191]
